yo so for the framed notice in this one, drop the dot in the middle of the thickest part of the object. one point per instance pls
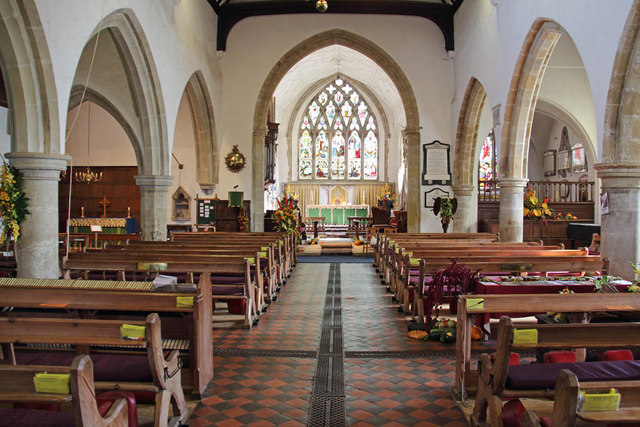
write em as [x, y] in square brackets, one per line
[206, 212]
[431, 195]
[436, 168]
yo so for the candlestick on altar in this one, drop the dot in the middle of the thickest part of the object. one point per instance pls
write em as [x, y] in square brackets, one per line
[129, 212]
[363, 197]
[82, 212]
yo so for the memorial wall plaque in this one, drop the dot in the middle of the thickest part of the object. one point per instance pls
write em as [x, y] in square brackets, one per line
[436, 168]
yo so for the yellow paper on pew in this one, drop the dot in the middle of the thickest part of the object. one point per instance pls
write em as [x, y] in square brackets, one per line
[475, 304]
[263, 254]
[410, 254]
[51, 383]
[132, 332]
[264, 248]
[152, 266]
[397, 250]
[252, 260]
[525, 337]
[184, 302]
[596, 402]
[414, 261]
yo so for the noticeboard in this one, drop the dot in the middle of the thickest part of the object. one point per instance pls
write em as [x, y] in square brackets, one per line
[206, 211]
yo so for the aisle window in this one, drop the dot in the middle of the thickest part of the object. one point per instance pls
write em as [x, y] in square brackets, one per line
[338, 136]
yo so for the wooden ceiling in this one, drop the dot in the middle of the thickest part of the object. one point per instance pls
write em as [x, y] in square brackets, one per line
[441, 12]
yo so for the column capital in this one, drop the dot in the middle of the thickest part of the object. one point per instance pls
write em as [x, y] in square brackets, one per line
[411, 131]
[161, 181]
[38, 161]
[463, 190]
[619, 175]
[512, 184]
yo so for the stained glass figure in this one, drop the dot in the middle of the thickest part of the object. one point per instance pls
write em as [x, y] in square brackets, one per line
[322, 98]
[486, 168]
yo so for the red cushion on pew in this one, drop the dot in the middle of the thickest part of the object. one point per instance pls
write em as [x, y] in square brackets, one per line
[237, 306]
[616, 355]
[512, 413]
[106, 399]
[559, 357]
[514, 358]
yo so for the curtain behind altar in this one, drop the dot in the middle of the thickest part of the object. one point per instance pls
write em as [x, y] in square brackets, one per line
[310, 194]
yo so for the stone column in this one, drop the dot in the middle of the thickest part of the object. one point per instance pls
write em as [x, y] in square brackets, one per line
[620, 228]
[37, 248]
[511, 208]
[257, 184]
[153, 206]
[414, 187]
[467, 214]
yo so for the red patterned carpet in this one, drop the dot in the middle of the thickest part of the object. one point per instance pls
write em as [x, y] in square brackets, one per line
[333, 350]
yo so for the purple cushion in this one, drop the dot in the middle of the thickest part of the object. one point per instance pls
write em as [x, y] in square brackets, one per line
[543, 376]
[35, 418]
[106, 367]
[227, 290]
[227, 279]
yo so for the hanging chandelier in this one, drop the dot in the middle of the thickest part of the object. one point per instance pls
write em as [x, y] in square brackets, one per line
[88, 176]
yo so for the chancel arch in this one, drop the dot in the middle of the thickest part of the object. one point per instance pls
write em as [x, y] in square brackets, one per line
[377, 55]
[619, 169]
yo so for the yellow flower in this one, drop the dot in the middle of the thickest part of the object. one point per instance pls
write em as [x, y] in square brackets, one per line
[537, 212]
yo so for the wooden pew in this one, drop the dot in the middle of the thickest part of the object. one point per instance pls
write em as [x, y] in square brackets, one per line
[165, 372]
[562, 411]
[271, 266]
[17, 386]
[86, 296]
[493, 375]
[470, 306]
[123, 264]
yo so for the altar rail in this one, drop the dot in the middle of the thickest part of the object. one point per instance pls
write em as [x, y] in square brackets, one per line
[556, 191]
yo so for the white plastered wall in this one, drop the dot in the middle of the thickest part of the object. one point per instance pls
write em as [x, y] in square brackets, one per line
[489, 39]
[418, 49]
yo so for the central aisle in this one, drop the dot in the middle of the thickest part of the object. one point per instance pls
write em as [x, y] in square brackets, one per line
[332, 351]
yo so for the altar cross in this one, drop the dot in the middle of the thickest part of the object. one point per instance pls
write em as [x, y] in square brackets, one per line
[104, 202]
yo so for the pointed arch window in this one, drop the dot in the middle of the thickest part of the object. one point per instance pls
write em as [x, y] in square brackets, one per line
[338, 137]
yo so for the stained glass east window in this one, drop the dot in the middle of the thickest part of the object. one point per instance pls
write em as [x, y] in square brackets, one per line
[338, 137]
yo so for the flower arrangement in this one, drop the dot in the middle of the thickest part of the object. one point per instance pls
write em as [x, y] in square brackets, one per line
[286, 217]
[540, 210]
[243, 219]
[387, 198]
[13, 203]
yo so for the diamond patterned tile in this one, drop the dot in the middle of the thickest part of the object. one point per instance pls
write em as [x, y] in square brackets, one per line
[258, 384]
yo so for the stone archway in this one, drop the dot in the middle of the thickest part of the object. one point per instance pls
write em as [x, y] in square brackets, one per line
[149, 121]
[35, 133]
[519, 110]
[206, 147]
[376, 54]
[464, 161]
[620, 167]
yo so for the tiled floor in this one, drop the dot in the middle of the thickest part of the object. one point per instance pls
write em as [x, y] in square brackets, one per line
[265, 376]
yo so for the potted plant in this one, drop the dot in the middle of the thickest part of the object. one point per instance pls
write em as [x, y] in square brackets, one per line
[446, 208]
[451, 281]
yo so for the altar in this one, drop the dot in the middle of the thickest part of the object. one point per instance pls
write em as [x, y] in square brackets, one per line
[337, 214]
[109, 225]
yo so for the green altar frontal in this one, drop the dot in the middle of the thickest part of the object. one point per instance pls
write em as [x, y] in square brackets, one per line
[337, 214]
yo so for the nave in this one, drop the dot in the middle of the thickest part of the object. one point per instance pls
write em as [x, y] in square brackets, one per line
[332, 351]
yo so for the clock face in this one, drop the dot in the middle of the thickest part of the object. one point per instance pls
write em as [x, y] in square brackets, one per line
[235, 160]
